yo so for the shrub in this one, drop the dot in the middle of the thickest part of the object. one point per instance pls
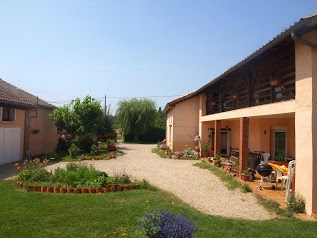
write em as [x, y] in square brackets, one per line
[73, 151]
[94, 149]
[84, 142]
[162, 223]
[63, 143]
[296, 204]
[33, 172]
[79, 176]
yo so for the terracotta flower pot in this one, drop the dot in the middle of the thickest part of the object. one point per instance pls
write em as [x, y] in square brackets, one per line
[120, 188]
[109, 187]
[77, 190]
[245, 177]
[37, 188]
[137, 186]
[106, 189]
[84, 190]
[50, 189]
[132, 186]
[56, 190]
[30, 187]
[214, 162]
[63, 190]
[91, 190]
[98, 190]
[126, 187]
[70, 190]
[43, 189]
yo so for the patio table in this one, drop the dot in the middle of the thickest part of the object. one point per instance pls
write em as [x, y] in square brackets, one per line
[282, 165]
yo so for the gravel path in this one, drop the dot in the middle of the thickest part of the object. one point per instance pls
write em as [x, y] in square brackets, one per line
[197, 187]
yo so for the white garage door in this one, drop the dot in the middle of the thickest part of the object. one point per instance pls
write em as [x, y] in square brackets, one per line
[9, 145]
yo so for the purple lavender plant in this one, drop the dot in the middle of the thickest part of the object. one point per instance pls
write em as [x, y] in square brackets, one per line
[164, 224]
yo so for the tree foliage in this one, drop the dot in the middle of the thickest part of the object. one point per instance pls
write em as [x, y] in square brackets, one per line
[84, 120]
[136, 116]
[79, 117]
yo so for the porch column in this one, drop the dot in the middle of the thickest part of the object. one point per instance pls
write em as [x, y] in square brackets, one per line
[27, 132]
[244, 144]
[217, 141]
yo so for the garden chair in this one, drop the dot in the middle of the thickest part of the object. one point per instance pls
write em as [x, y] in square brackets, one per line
[266, 157]
[279, 176]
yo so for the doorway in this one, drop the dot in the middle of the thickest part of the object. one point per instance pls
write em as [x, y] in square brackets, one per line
[225, 140]
[278, 144]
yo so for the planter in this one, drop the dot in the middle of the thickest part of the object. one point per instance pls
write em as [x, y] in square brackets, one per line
[215, 162]
[70, 190]
[37, 188]
[132, 186]
[84, 190]
[77, 190]
[43, 189]
[50, 189]
[106, 189]
[275, 82]
[109, 187]
[126, 187]
[137, 186]
[63, 190]
[245, 177]
[98, 190]
[120, 188]
[91, 190]
[30, 187]
[56, 190]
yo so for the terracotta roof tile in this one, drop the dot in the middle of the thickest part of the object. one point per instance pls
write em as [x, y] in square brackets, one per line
[12, 94]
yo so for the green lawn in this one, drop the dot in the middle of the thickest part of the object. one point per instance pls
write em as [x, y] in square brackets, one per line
[32, 214]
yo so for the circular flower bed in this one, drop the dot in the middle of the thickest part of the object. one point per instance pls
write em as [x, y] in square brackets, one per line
[75, 178]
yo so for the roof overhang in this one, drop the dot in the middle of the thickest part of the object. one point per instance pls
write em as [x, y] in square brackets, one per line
[304, 25]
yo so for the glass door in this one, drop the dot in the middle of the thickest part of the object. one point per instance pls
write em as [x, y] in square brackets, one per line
[280, 145]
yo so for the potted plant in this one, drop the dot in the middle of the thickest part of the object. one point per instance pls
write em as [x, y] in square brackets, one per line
[217, 160]
[274, 79]
[252, 162]
[245, 176]
[205, 149]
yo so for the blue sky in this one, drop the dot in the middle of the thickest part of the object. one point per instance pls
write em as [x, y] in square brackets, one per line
[59, 50]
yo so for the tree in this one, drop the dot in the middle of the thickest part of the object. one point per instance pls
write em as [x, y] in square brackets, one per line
[82, 120]
[79, 117]
[136, 116]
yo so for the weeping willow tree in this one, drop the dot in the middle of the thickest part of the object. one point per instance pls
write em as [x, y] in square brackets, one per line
[136, 116]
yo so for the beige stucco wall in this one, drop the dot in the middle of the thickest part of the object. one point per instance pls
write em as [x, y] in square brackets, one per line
[185, 124]
[18, 123]
[46, 140]
[305, 121]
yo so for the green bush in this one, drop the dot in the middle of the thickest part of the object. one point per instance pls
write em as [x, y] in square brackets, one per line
[84, 142]
[33, 172]
[73, 151]
[296, 204]
[79, 176]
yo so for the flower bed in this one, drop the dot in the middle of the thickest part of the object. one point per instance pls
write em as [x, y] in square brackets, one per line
[76, 178]
[187, 154]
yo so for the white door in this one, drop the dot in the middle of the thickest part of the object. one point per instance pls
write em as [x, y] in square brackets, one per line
[9, 145]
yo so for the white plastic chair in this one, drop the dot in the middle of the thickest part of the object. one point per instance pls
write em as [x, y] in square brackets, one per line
[279, 176]
[266, 157]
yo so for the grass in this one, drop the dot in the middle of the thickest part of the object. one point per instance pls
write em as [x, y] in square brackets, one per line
[159, 151]
[228, 179]
[32, 214]
[104, 154]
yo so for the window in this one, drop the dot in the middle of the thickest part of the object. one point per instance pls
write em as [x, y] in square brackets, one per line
[8, 114]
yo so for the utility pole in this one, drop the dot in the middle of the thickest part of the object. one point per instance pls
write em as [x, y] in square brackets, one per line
[105, 104]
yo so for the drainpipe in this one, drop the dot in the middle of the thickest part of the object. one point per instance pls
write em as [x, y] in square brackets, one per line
[297, 37]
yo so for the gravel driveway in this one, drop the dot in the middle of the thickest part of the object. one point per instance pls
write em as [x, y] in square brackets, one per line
[197, 187]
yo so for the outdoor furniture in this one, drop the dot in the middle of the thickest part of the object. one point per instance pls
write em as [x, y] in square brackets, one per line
[282, 165]
[231, 163]
[266, 157]
[279, 176]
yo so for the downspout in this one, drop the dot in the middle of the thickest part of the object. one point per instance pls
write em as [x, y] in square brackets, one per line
[297, 37]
